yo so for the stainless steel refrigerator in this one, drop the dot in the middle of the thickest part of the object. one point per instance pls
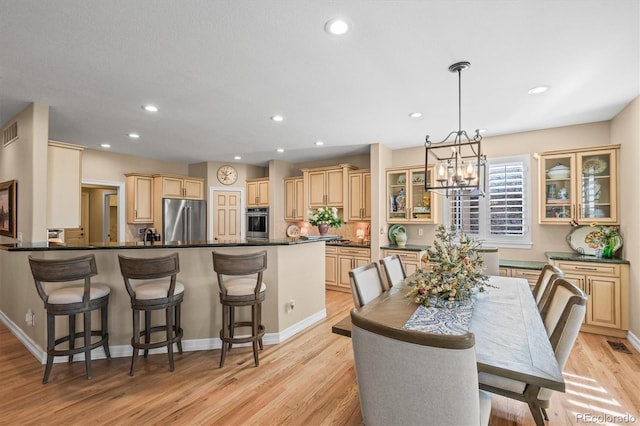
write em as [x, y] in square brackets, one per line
[184, 220]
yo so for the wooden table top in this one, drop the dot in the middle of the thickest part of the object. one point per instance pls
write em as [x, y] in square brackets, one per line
[511, 340]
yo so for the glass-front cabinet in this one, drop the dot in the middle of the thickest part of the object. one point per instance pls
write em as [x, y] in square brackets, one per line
[407, 200]
[579, 187]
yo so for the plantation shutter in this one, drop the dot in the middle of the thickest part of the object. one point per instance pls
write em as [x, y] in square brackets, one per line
[507, 209]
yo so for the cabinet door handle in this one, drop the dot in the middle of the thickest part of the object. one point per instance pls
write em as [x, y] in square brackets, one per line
[579, 211]
[135, 214]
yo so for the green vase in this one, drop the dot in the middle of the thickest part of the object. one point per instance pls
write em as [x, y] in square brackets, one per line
[607, 251]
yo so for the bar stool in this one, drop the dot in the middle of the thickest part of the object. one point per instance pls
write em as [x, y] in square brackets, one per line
[70, 301]
[154, 287]
[241, 290]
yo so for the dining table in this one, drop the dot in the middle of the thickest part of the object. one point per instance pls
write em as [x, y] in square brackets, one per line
[510, 337]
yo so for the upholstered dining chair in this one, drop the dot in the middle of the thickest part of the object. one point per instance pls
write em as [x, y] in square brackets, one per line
[153, 286]
[398, 387]
[393, 269]
[548, 274]
[71, 299]
[563, 315]
[366, 284]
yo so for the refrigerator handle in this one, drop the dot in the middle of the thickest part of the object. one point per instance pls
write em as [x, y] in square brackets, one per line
[186, 223]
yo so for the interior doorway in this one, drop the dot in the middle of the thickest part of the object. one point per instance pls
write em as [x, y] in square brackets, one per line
[110, 216]
[106, 210]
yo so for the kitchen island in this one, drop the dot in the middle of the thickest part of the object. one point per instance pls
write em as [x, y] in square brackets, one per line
[295, 289]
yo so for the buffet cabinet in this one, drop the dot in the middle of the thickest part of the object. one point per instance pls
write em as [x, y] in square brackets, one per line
[407, 200]
[579, 186]
[412, 260]
[607, 288]
[339, 261]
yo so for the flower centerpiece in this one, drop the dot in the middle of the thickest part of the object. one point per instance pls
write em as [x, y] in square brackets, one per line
[606, 237]
[456, 270]
[324, 218]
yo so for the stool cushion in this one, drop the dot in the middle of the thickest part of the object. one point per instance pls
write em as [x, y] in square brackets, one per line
[242, 286]
[156, 289]
[73, 294]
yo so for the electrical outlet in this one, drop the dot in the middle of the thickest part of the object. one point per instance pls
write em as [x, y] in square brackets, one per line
[291, 304]
[28, 317]
[141, 231]
[420, 232]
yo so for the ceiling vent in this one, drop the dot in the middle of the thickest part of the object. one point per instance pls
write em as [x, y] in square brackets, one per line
[10, 134]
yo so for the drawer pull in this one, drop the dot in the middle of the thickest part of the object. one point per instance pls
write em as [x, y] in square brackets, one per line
[584, 268]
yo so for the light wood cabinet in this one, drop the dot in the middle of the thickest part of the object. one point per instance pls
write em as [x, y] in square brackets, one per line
[64, 163]
[182, 187]
[607, 288]
[412, 260]
[359, 195]
[294, 199]
[579, 186]
[139, 198]
[326, 186]
[340, 262]
[258, 192]
[531, 275]
[407, 200]
[80, 236]
[331, 267]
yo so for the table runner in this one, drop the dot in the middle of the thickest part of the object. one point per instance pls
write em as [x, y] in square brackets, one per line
[454, 320]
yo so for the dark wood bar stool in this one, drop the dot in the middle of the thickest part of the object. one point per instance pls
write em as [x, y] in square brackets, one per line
[70, 301]
[241, 290]
[152, 285]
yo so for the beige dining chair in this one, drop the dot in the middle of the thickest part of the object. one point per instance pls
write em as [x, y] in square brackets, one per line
[563, 315]
[366, 284]
[548, 274]
[398, 386]
[490, 261]
[394, 270]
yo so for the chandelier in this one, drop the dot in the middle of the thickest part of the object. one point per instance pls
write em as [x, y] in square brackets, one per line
[460, 166]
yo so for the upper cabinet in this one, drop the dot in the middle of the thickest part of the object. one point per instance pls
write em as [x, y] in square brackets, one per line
[182, 187]
[326, 186]
[63, 184]
[139, 189]
[359, 195]
[407, 200]
[294, 199]
[579, 186]
[258, 192]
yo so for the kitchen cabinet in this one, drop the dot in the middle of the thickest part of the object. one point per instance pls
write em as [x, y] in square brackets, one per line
[344, 259]
[294, 199]
[359, 195]
[326, 186]
[182, 187]
[531, 275]
[579, 186]
[412, 260]
[258, 192]
[407, 200]
[64, 162]
[331, 267]
[80, 236]
[139, 198]
[607, 288]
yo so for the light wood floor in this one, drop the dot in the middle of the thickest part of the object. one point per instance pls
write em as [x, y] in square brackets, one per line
[308, 380]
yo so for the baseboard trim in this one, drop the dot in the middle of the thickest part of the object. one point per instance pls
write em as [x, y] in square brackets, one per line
[633, 339]
[121, 351]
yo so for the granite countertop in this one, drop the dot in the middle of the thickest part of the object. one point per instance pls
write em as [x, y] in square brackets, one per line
[578, 257]
[45, 246]
[522, 264]
[408, 247]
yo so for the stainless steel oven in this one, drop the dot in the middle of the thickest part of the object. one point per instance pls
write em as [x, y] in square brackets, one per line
[258, 222]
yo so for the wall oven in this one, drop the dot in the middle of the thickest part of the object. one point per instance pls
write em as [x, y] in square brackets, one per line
[258, 222]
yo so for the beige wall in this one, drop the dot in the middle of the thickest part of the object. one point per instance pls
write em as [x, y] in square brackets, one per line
[25, 160]
[545, 237]
[625, 130]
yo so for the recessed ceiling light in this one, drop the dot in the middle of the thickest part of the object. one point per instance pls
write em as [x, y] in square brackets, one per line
[277, 118]
[280, 150]
[150, 108]
[538, 89]
[415, 115]
[237, 157]
[105, 145]
[134, 135]
[337, 26]
[319, 143]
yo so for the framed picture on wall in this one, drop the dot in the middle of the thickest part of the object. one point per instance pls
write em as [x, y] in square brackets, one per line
[8, 208]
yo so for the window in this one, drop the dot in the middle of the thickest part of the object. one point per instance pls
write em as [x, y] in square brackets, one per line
[501, 218]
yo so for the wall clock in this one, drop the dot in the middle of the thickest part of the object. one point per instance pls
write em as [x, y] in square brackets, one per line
[227, 175]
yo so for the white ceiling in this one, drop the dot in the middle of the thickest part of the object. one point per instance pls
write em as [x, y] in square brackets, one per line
[218, 69]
